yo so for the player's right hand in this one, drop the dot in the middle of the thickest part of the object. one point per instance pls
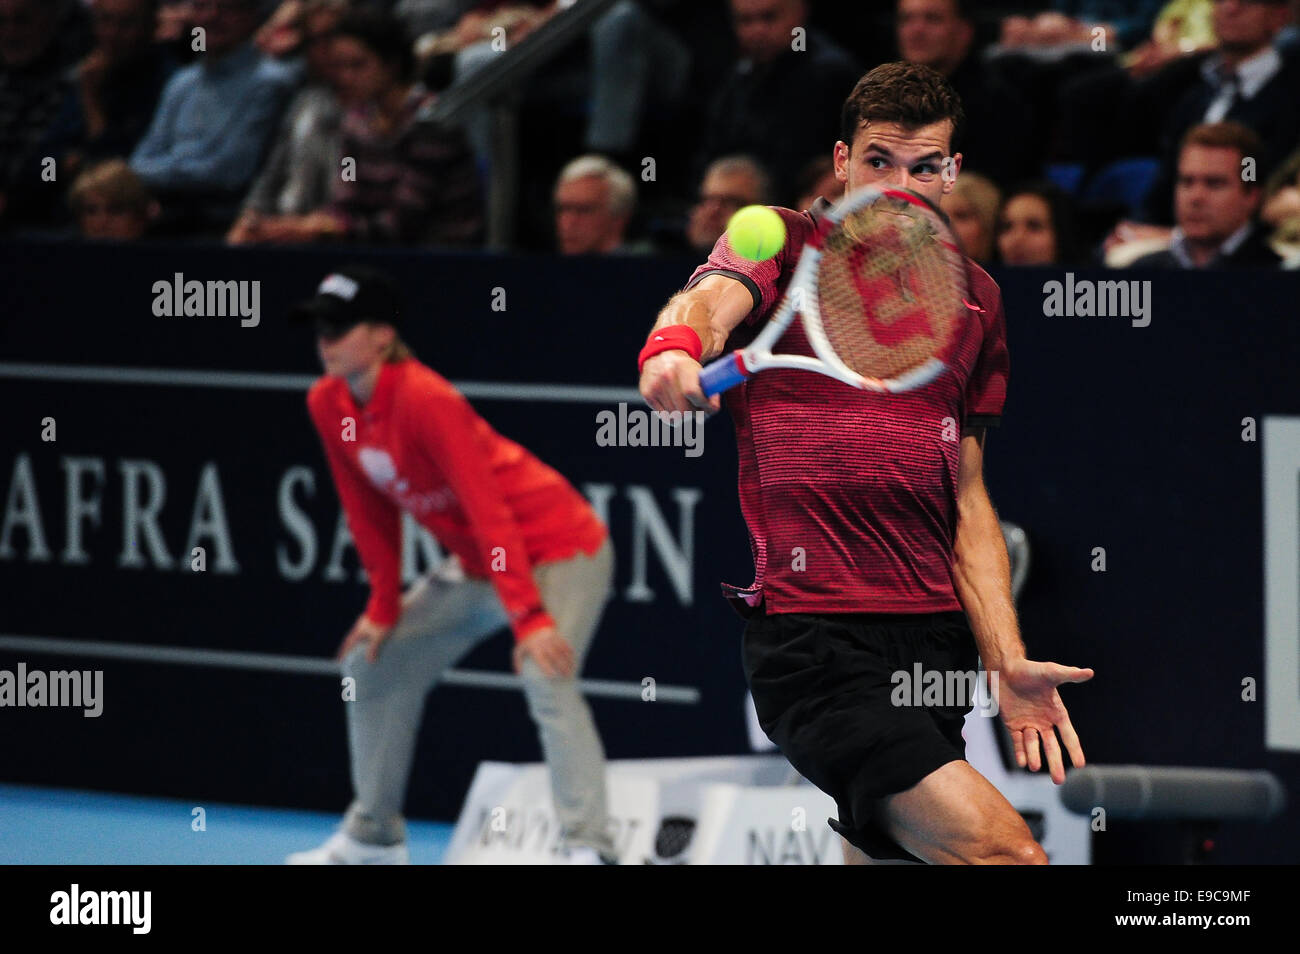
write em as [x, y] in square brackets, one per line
[670, 381]
[364, 630]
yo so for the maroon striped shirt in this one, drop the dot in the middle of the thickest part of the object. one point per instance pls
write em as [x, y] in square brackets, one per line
[851, 496]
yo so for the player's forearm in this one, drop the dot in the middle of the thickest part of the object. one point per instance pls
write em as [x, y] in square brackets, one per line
[982, 577]
[711, 309]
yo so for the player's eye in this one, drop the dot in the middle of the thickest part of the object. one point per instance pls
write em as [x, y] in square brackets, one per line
[876, 162]
[925, 169]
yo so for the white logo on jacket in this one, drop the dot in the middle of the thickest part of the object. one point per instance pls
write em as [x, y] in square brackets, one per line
[379, 467]
[382, 471]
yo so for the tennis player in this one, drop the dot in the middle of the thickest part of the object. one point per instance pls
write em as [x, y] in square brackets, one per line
[525, 549]
[875, 544]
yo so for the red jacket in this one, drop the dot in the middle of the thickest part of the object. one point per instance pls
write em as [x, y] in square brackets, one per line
[418, 446]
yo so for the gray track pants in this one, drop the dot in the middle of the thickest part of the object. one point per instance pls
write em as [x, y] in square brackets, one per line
[444, 616]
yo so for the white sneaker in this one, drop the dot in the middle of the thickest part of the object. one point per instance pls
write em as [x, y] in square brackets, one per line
[343, 849]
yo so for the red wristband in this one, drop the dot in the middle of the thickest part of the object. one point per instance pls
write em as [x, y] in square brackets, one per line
[671, 338]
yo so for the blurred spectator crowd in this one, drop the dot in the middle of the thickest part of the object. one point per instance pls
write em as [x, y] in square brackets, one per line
[1153, 132]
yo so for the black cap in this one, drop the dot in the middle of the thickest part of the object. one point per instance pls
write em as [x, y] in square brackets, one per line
[349, 296]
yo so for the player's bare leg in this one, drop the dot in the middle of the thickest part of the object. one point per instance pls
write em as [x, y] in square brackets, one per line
[853, 855]
[955, 816]
[856, 856]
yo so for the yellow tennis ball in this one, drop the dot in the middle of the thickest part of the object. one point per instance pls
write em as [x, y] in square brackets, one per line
[756, 233]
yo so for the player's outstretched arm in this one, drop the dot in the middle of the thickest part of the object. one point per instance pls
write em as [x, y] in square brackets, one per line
[981, 568]
[670, 380]
[1025, 690]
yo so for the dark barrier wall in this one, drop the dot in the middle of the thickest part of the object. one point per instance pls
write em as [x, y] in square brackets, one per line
[1115, 436]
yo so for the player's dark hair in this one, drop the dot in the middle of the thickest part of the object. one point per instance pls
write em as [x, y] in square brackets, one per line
[382, 34]
[1228, 135]
[909, 94]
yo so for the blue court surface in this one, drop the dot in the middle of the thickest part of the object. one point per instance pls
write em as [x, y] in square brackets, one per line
[44, 826]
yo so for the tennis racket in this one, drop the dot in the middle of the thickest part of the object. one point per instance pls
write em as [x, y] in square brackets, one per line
[881, 291]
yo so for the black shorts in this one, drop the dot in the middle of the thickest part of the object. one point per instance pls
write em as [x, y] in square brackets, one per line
[822, 687]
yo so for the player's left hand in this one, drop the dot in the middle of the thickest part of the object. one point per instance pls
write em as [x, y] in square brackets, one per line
[554, 656]
[1031, 708]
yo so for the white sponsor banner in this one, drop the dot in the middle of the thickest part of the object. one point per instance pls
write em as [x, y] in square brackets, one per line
[1281, 688]
[508, 816]
[721, 810]
[509, 819]
[746, 825]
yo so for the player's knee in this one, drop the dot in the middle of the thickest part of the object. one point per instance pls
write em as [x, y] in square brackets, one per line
[852, 854]
[1012, 850]
[1009, 842]
[1027, 852]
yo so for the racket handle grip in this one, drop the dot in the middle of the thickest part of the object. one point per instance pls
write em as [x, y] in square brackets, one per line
[723, 374]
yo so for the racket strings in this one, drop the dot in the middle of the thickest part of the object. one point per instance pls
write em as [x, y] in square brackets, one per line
[890, 287]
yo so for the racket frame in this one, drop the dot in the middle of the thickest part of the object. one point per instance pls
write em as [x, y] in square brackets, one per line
[801, 299]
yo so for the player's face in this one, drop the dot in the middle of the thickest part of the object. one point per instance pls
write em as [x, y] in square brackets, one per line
[1247, 25]
[886, 155]
[1210, 199]
[354, 351]
[1025, 232]
[931, 33]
